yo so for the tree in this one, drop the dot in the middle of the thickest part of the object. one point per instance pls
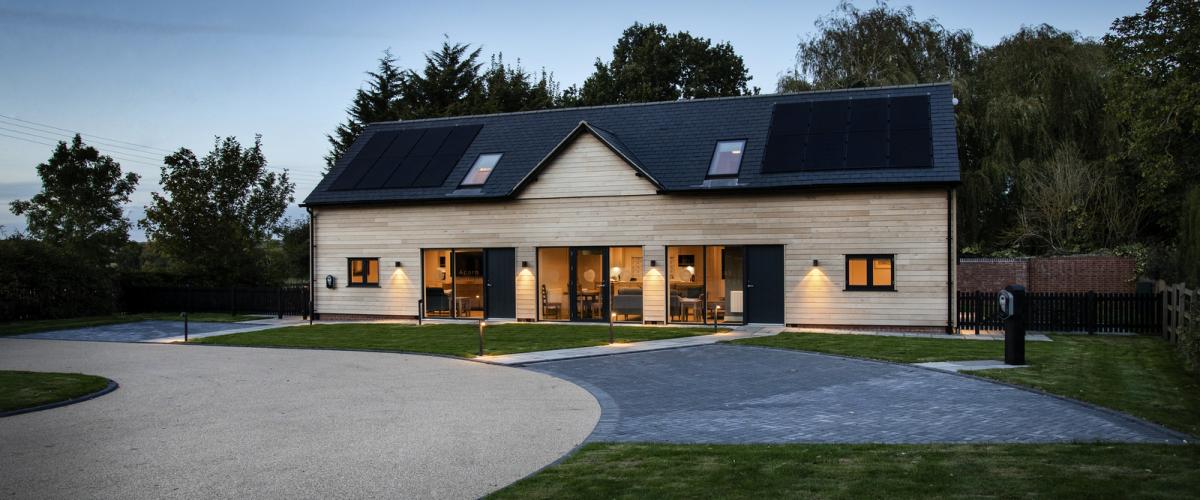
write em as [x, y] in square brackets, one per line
[217, 212]
[380, 101]
[510, 88]
[650, 64]
[1033, 99]
[1189, 238]
[448, 84]
[1155, 94]
[879, 46]
[79, 207]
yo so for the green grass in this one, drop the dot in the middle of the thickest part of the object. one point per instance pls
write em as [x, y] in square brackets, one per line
[605, 470]
[45, 325]
[25, 389]
[452, 339]
[1142, 376]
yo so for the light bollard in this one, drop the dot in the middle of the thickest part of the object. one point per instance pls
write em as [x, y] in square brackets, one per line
[185, 326]
[482, 324]
[611, 317]
[716, 312]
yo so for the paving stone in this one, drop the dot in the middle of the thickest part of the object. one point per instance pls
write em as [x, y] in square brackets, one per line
[739, 394]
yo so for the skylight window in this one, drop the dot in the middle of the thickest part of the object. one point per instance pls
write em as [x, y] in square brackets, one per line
[481, 169]
[727, 159]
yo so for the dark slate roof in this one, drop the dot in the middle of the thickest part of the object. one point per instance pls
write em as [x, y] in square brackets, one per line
[671, 142]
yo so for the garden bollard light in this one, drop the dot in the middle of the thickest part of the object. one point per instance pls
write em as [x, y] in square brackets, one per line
[481, 325]
[185, 326]
[611, 317]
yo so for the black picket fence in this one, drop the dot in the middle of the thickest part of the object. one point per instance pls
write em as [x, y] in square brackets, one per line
[279, 301]
[1067, 312]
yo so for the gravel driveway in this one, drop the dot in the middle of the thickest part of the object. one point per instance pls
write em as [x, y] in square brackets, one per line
[229, 422]
[741, 394]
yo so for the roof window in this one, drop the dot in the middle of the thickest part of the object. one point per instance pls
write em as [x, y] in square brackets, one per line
[481, 169]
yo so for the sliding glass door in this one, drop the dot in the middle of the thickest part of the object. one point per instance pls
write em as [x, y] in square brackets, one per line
[589, 284]
[705, 284]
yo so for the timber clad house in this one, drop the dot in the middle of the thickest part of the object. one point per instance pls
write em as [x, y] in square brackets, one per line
[820, 209]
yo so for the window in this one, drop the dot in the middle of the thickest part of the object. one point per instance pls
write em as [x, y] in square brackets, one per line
[727, 159]
[481, 169]
[364, 271]
[869, 272]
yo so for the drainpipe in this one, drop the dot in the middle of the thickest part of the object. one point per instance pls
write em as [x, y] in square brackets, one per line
[951, 293]
[312, 265]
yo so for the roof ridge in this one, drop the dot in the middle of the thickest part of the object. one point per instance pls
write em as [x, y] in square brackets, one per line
[678, 101]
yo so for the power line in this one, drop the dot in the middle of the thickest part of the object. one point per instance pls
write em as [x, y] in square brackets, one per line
[126, 150]
[130, 154]
[82, 133]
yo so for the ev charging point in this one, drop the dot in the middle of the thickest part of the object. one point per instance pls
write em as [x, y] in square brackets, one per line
[1014, 308]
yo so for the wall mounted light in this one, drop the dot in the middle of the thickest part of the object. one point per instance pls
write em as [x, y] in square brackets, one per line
[524, 263]
[398, 264]
[816, 263]
[653, 263]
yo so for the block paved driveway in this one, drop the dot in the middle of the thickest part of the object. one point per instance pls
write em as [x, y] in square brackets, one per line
[741, 394]
[139, 331]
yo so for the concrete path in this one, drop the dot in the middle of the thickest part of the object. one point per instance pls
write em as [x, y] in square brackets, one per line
[740, 332]
[966, 366]
[228, 422]
[157, 331]
[742, 394]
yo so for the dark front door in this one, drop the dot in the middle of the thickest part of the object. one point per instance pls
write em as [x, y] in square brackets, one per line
[500, 280]
[589, 284]
[764, 284]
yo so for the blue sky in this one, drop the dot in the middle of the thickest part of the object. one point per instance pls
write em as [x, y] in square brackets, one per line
[149, 76]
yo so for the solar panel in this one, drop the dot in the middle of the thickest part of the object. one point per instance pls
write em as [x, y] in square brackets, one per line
[911, 148]
[362, 162]
[848, 134]
[407, 158]
[866, 139]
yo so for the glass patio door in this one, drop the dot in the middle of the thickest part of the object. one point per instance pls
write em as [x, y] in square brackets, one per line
[589, 284]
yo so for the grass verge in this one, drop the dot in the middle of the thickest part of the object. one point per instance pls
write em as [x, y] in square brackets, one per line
[27, 389]
[1142, 376]
[452, 339]
[46, 325]
[607, 470]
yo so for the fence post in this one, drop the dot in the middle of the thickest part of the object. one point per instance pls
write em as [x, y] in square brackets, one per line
[1090, 311]
[978, 310]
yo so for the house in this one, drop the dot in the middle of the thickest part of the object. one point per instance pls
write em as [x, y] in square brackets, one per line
[819, 209]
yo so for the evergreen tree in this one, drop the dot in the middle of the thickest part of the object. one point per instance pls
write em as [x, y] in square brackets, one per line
[510, 88]
[79, 207]
[449, 85]
[380, 101]
[651, 64]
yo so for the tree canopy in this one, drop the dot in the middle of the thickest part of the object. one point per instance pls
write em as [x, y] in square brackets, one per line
[878, 46]
[216, 212]
[80, 205]
[651, 64]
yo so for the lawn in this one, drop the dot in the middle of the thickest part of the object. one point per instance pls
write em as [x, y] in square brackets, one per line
[452, 339]
[606, 470]
[25, 389]
[45, 325]
[1142, 376]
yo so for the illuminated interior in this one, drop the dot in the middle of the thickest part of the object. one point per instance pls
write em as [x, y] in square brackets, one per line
[869, 272]
[705, 284]
[439, 284]
[626, 272]
[364, 272]
[553, 280]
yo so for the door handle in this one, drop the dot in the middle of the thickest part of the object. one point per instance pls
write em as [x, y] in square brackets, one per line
[489, 284]
[749, 285]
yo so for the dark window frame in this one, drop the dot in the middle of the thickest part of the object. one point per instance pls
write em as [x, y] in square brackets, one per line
[365, 274]
[496, 165]
[741, 157]
[871, 286]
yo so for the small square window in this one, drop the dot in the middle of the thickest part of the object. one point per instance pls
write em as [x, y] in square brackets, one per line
[869, 272]
[363, 271]
[481, 169]
[727, 159]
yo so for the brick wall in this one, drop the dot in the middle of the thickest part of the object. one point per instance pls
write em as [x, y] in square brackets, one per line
[1083, 273]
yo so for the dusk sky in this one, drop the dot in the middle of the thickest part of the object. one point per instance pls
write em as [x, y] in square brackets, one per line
[139, 79]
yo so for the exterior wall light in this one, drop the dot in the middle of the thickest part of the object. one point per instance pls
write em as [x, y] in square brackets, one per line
[524, 263]
[653, 263]
[398, 264]
[816, 263]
